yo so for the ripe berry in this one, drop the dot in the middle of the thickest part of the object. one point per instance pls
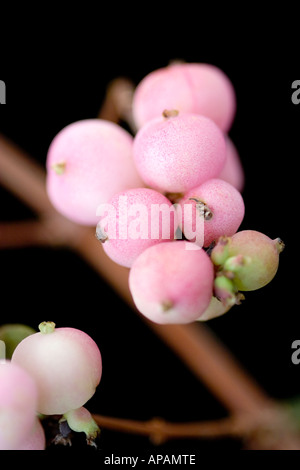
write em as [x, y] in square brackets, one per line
[135, 220]
[189, 87]
[66, 365]
[172, 282]
[18, 405]
[87, 163]
[177, 153]
[36, 439]
[210, 210]
[233, 171]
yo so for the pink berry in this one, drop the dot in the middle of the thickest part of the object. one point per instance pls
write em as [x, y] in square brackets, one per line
[87, 163]
[177, 153]
[233, 171]
[66, 365]
[172, 282]
[189, 87]
[18, 405]
[36, 439]
[135, 220]
[211, 210]
[213, 93]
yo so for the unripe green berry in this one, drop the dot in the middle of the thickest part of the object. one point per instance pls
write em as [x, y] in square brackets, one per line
[12, 334]
[250, 257]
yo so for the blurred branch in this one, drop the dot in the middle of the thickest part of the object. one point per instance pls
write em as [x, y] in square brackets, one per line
[23, 177]
[22, 234]
[160, 431]
[270, 430]
[117, 102]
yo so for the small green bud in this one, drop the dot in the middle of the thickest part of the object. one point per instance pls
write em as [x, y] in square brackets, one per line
[220, 252]
[235, 263]
[225, 290]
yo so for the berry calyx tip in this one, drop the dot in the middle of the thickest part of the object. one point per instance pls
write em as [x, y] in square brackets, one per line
[47, 327]
[59, 168]
[168, 113]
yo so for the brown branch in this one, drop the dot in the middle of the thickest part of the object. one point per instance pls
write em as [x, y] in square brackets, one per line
[23, 177]
[272, 429]
[117, 102]
[160, 431]
[22, 234]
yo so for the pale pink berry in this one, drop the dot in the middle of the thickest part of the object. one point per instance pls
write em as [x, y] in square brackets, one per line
[36, 439]
[177, 153]
[87, 163]
[189, 87]
[18, 405]
[211, 210]
[133, 221]
[214, 93]
[233, 171]
[172, 282]
[65, 364]
[214, 310]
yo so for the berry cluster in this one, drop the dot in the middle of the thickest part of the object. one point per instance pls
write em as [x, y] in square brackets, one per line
[167, 201]
[52, 372]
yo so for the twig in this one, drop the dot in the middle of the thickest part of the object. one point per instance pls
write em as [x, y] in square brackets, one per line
[23, 177]
[269, 430]
[22, 234]
[160, 431]
[117, 102]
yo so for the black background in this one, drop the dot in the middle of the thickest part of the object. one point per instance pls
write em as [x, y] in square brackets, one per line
[52, 82]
